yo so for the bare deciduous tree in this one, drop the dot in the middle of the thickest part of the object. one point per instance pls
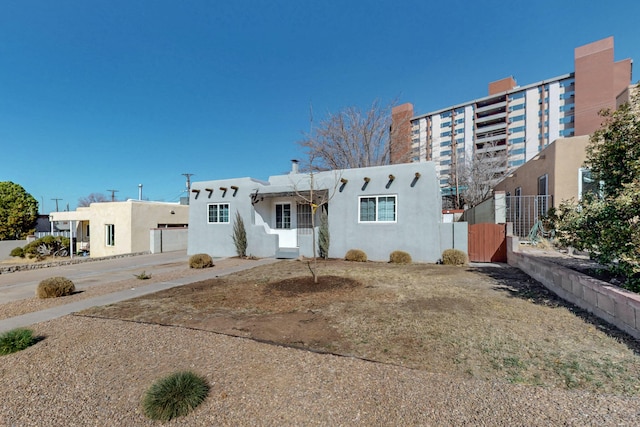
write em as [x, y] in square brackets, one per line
[477, 178]
[92, 198]
[351, 138]
[317, 196]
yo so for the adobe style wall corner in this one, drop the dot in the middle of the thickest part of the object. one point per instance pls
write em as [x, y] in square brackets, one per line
[610, 303]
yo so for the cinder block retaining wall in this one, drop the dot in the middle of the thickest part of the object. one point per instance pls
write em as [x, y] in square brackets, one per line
[612, 304]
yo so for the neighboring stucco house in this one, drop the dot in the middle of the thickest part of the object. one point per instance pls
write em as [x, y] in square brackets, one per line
[525, 196]
[377, 209]
[556, 171]
[116, 228]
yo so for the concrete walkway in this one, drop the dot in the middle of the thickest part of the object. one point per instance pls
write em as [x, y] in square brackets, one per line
[112, 276]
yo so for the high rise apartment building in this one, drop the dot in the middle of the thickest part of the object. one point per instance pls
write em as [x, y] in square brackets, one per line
[513, 123]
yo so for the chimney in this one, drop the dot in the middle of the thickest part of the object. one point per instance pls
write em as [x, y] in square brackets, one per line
[294, 166]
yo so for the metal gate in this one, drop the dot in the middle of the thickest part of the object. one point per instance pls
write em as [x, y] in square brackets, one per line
[525, 211]
[487, 242]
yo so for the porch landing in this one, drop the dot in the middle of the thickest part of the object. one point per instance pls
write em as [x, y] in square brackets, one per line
[287, 253]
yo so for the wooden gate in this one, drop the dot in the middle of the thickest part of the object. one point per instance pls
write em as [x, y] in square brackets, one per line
[488, 242]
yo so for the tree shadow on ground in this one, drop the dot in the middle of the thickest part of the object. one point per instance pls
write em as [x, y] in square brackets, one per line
[518, 284]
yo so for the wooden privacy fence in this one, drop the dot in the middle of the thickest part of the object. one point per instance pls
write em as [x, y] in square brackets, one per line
[487, 242]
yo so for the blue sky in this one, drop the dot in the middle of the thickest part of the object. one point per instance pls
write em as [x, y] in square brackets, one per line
[98, 95]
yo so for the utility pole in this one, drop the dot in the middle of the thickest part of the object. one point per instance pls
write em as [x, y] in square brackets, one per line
[56, 203]
[188, 176]
[113, 195]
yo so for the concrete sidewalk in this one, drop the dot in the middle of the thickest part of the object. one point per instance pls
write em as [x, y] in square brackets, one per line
[62, 310]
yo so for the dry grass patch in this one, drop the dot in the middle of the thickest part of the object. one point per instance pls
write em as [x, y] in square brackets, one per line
[491, 324]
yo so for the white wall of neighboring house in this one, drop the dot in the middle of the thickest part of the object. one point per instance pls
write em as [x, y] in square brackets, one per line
[131, 220]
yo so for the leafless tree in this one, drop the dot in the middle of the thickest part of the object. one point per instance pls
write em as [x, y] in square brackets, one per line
[351, 138]
[92, 198]
[477, 177]
[317, 196]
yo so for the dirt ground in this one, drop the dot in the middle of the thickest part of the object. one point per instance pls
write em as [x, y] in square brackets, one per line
[493, 323]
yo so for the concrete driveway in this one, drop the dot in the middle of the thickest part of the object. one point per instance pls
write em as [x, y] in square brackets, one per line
[22, 284]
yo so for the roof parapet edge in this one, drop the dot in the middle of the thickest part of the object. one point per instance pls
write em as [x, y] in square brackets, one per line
[516, 89]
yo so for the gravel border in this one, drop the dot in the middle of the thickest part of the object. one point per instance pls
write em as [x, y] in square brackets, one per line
[89, 371]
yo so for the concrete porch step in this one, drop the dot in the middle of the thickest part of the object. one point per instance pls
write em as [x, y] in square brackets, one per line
[287, 253]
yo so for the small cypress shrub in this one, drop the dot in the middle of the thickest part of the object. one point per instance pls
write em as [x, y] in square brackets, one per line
[454, 257]
[54, 287]
[200, 261]
[400, 257]
[356, 255]
[16, 340]
[17, 252]
[324, 238]
[174, 396]
[239, 236]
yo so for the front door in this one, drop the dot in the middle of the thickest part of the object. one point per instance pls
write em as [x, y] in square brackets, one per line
[287, 235]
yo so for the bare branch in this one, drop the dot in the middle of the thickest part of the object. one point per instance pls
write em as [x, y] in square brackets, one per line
[350, 139]
[478, 177]
[92, 198]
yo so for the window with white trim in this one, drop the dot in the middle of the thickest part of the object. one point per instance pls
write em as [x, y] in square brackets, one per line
[588, 184]
[283, 216]
[110, 232]
[218, 213]
[377, 209]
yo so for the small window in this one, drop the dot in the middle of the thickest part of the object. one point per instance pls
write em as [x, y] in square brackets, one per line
[378, 209]
[218, 213]
[543, 193]
[543, 185]
[283, 216]
[588, 184]
[111, 234]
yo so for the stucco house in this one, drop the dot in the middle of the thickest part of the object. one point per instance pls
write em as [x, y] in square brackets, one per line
[525, 196]
[556, 171]
[117, 228]
[377, 209]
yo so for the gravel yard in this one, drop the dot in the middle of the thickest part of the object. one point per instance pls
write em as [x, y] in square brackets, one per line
[95, 371]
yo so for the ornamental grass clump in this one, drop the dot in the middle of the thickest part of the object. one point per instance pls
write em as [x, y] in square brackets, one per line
[54, 287]
[400, 257]
[356, 255]
[454, 257]
[16, 340]
[200, 261]
[174, 395]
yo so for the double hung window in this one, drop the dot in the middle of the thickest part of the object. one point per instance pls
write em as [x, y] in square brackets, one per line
[218, 213]
[377, 209]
